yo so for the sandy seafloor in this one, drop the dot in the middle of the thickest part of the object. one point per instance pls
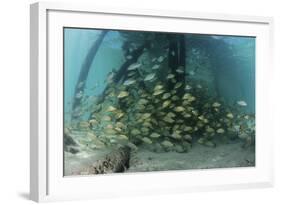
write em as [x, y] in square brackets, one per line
[199, 157]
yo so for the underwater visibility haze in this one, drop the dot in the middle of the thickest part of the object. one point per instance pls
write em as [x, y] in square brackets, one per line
[138, 101]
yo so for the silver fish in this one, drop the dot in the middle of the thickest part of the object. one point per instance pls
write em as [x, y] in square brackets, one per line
[129, 82]
[188, 87]
[149, 77]
[134, 66]
[170, 76]
[79, 95]
[80, 85]
[242, 103]
[155, 67]
[180, 70]
[160, 59]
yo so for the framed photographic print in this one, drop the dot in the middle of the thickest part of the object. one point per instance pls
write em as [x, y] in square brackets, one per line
[147, 101]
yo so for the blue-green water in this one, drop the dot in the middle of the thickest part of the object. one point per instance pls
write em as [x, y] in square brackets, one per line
[236, 76]
[76, 46]
[207, 82]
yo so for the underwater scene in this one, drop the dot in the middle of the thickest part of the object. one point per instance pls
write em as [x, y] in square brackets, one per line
[138, 101]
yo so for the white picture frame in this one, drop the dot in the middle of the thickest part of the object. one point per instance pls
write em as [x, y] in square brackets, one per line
[46, 179]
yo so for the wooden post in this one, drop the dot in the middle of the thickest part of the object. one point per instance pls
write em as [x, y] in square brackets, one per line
[176, 58]
[80, 85]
